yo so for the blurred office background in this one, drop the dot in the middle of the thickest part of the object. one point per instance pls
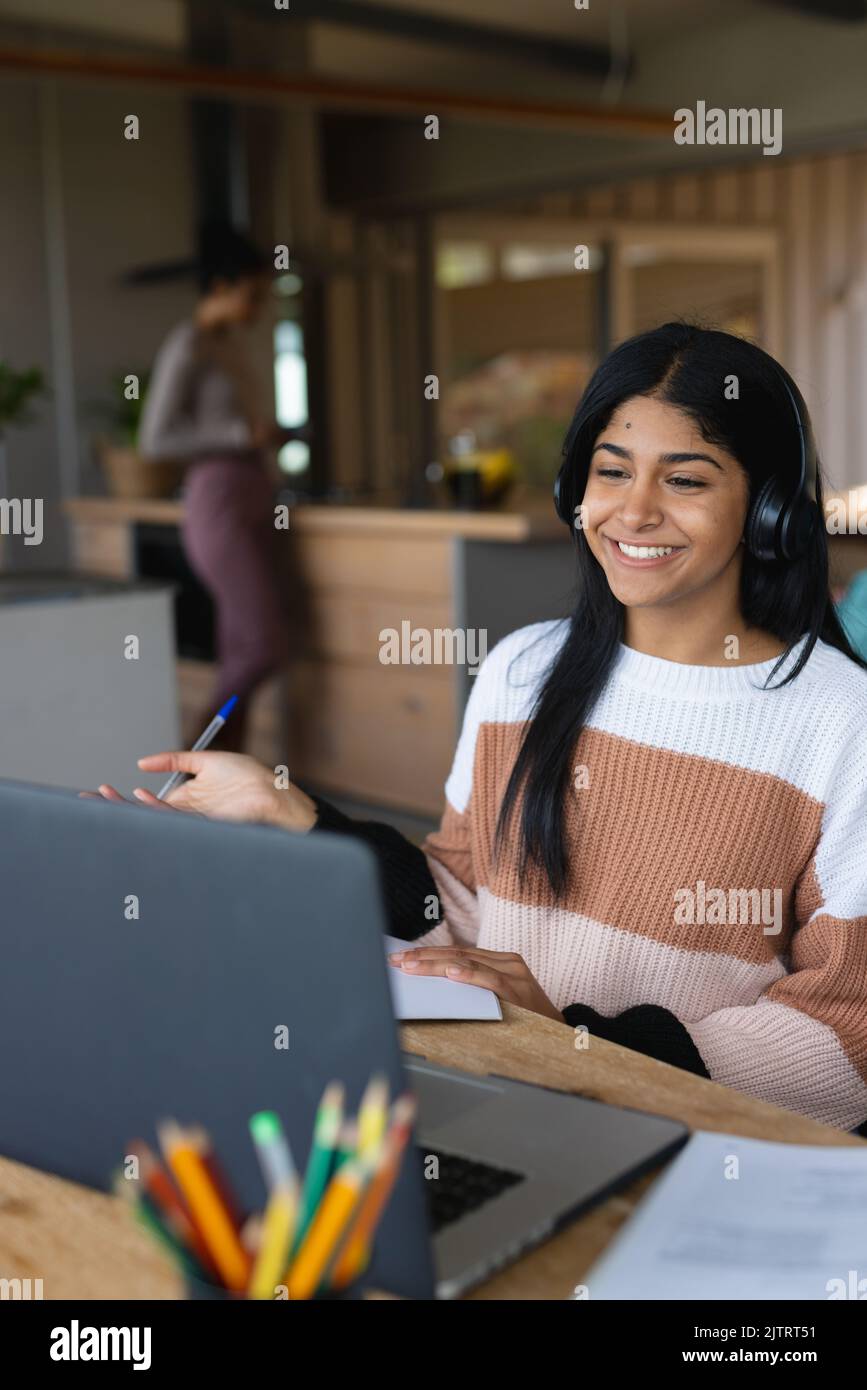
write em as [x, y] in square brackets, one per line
[408, 257]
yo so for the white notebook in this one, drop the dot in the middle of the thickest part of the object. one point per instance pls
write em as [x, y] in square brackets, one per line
[433, 996]
[745, 1219]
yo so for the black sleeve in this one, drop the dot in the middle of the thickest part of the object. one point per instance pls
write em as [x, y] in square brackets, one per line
[408, 890]
[646, 1028]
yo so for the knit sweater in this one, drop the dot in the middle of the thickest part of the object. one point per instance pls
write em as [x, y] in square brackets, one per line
[717, 882]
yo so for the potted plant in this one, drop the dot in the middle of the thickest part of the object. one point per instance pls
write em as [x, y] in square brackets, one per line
[126, 473]
[17, 392]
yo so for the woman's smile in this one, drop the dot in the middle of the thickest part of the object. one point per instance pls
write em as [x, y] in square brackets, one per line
[642, 554]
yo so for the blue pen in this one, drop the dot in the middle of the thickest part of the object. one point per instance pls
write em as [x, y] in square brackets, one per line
[201, 742]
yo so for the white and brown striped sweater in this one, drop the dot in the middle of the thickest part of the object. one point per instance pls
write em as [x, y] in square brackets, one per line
[694, 790]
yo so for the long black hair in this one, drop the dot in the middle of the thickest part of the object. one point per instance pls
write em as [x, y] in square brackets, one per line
[687, 367]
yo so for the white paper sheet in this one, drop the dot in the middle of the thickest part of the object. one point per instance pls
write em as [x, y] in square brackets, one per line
[791, 1225]
[433, 996]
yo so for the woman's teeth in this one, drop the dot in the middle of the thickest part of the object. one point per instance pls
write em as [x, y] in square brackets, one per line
[646, 552]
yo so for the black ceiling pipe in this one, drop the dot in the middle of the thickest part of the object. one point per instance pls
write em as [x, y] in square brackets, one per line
[219, 159]
[496, 41]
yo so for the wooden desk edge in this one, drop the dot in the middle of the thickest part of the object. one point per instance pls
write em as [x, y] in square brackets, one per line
[519, 1048]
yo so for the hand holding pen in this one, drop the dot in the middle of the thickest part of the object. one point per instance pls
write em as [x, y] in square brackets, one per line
[203, 741]
[222, 786]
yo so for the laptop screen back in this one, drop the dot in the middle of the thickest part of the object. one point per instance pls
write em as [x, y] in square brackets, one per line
[160, 965]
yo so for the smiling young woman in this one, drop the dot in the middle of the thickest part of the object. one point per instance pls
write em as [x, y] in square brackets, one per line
[696, 730]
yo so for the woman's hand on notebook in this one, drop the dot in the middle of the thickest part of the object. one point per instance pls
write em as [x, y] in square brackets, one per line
[230, 786]
[506, 973]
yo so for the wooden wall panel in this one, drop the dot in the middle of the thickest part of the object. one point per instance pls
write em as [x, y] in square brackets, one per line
[819, 206]
[831, 311]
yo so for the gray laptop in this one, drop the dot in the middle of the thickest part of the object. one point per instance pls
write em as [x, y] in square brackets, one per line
[149, 963]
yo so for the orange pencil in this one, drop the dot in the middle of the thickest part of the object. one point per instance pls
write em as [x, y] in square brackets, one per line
[163, 1193]
[184, 1152]
[327, 1228]
[218, 1177]
[356, 1246]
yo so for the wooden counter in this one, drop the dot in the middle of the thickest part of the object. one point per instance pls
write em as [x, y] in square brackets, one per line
[537, 522]
[351, 724]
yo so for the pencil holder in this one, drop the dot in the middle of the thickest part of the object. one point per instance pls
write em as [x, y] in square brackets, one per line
[198, 1290]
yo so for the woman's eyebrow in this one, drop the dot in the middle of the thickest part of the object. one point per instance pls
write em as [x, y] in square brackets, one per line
[615, 449]
[690, 458]
[663, 458]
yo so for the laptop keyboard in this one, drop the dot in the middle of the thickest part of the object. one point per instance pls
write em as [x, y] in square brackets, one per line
[463, 1185]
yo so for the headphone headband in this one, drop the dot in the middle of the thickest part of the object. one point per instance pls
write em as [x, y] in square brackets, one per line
[808, 467]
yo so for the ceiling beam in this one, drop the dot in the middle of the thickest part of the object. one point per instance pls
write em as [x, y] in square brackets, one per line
[339, 95]
[590, 59]
[848, 11]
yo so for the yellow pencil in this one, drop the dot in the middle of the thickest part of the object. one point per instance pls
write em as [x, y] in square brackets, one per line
[183, 1153]
[278, 1228]
[327, 1227]
[356, 1248]
[372, 1116]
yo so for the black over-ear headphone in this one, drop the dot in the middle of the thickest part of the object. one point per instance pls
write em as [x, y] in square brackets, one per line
[781, 522]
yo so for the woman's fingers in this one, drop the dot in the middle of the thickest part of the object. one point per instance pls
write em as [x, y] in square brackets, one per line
[483, 976]
[505, 961]
[147, 798]
[175, 762]
[109, 793]
[468, 972]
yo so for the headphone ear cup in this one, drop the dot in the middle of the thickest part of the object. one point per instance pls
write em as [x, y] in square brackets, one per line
[798, 528]
[778, 529]
[760, 532]
[559, 503]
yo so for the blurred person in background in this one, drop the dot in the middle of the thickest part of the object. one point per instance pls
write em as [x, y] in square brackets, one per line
[206, 407]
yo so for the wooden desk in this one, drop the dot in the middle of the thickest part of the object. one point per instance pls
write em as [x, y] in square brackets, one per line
[84, 1245]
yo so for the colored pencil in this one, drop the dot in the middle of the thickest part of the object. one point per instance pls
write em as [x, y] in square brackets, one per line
[355, 1251]
[183, 1151]
[327, 1228]
[281, 1213]
[272, 1149]
[277, 1231]
[215, 1173]
[347, 1143]
[148, 1215]
[160, 1188]
[326, 1128]
[373, 1116]
[311, 1237]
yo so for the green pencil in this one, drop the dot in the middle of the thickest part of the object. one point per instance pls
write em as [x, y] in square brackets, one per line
[326, 1129]
[146, 1213]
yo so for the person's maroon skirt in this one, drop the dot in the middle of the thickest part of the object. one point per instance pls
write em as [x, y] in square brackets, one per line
[230, 542]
